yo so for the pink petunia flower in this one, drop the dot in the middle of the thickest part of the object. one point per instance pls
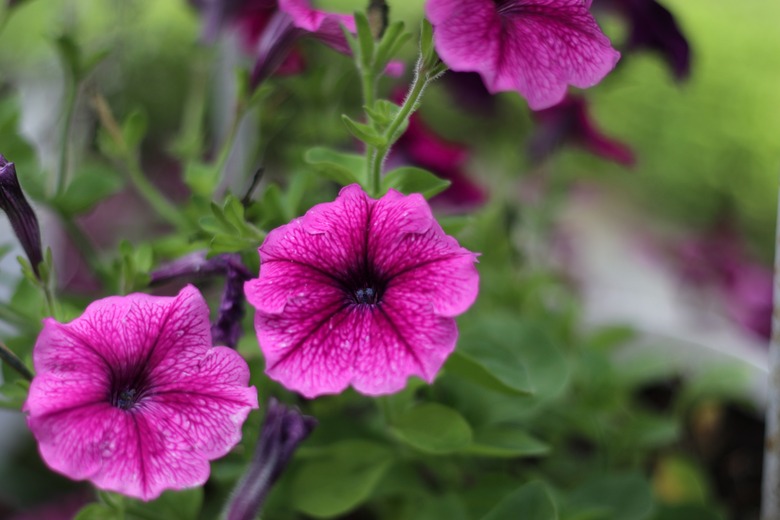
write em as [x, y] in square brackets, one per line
[133, 397]
[360, 291]
[535, 47]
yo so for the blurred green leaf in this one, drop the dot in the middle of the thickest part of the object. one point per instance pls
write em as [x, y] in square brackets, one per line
[531, 502]
[410, 179]
[433, 428]
[199, 177]
[364, 132]
[172, 505]
[91, 184]
[517, 356]
[617, 496]
[506, 440]
[339, 478]
[343, 168]
[98, 512]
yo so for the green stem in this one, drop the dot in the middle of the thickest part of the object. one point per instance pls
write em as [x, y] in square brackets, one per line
[51, 301]
[230, 141]
[70, 105]
[13, 361]
[146, 189]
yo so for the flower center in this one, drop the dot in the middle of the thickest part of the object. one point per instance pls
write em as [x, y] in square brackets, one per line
[367, 296]
[125, 399]
[127, 390]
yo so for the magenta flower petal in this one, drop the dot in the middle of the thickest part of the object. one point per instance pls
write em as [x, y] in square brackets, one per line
[535, 47]
[323, 25]
[132, 396]
[360, 292]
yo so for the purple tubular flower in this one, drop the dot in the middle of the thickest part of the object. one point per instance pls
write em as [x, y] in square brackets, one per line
[283, 430]
[227, 329]
[360, 291]
[20, 213]
[534, 47]
[569, 123]
[653, 27]
[132, 396]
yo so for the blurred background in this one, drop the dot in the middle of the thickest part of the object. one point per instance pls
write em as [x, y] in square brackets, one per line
[649, 201]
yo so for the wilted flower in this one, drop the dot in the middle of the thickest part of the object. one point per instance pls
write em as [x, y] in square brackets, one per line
[20, 214]
[132, 396]
[535, 47]
[227, 329]
[283, 429]
[569, 123]
[360, 291]
[653, 27]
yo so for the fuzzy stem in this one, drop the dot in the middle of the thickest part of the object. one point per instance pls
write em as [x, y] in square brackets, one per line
[770, 503]
[13, 361]
[422, 78]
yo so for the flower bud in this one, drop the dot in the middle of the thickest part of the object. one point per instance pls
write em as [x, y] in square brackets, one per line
[283, 430]
[20, 213]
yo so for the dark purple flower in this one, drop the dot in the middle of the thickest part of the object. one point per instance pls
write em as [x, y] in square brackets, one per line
[20, 214]
[569, 123]
[227, 329]
[469, 92]
[283, 430]
[653, 27]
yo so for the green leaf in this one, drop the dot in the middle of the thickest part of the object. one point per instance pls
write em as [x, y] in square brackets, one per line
[433, 428]
[438, 507]
[199, 177]
[494, 369]
[518, 355]
[506, 440]
[531, 502]
[409, 179]
[98, 512]
[70, 55]
[427, 50]
[343, 168]
[91, 185]
[619, 496]
[364, 132]
[365, 40]
[339, 478]
[392, 41]
[382, 112]
[172, 505]
[134, 128]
